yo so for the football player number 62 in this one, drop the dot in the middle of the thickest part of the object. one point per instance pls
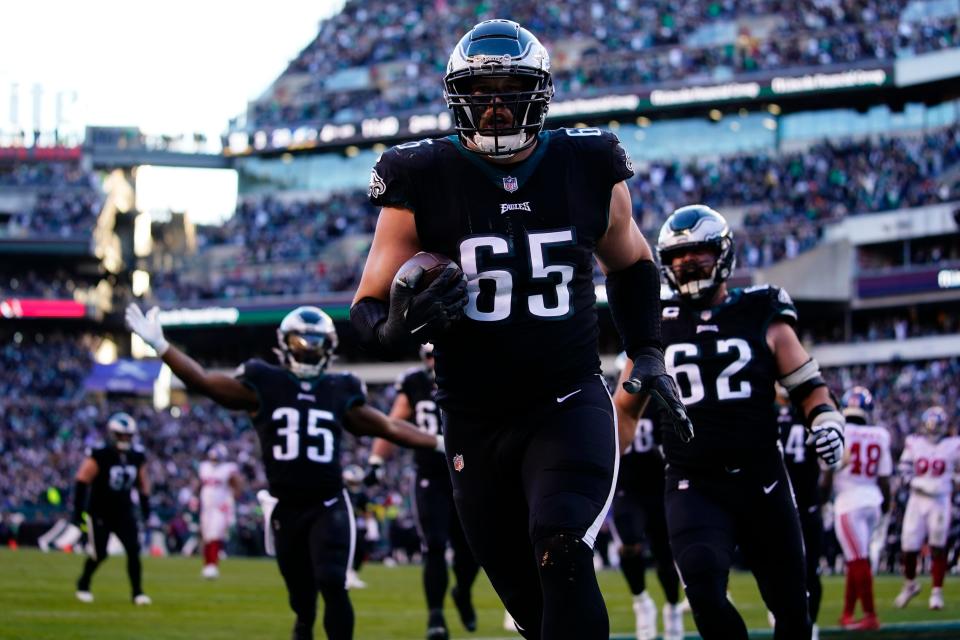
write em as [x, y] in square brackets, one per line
[289, 449]
[537, 305]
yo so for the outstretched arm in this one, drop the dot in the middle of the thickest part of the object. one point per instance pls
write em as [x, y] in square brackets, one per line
[222, 389]
[364, 420]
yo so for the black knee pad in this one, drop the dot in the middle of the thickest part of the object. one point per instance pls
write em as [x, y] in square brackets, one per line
[561, 553]
[631, 551]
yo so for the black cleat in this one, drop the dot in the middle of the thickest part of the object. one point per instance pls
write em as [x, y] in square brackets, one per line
[468, 616]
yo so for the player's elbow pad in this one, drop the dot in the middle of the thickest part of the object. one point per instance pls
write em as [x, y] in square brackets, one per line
[634, 298]
[802, 381]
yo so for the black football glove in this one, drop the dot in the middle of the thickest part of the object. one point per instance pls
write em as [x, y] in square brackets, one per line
[374, 474]
[421, 316]
[649, 376]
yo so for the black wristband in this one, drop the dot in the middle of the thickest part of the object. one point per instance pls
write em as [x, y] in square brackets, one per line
[817, 410]
[634, 297]
[80, 493]
[367, 317]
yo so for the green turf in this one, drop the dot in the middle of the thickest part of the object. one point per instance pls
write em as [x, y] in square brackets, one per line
[249, 601]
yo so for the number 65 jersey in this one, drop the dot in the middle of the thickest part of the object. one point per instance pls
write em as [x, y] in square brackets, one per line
[524, 235]
[299, 426]
[726, 372]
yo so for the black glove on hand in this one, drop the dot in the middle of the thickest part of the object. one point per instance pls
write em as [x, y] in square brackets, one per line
[649, 376]
[423, 315]
[374, 475]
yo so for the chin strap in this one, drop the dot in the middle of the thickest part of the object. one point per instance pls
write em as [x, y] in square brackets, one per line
[500, 144]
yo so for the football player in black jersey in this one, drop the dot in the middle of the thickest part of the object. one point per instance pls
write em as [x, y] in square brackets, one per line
[102, 502]
[803, 467]
[639, 522]
[434, 510]
[299, 412]
[728, 487]
[531, 432]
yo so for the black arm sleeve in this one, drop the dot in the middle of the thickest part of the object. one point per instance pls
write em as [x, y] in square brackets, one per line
[81, 491]
[367, 317]
[634, 297]
[144, 506]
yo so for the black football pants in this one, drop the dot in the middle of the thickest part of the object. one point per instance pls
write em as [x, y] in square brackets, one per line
[99, 528]
[639, 520]
[438, 525]
[532, 488]
[315, 546]
[709, 515]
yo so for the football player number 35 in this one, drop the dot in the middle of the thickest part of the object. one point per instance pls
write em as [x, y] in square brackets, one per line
[537, 305]
[289, 448]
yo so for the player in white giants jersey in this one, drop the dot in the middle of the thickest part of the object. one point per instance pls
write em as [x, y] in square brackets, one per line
[219, 481]
[930, 461]
[862, 493]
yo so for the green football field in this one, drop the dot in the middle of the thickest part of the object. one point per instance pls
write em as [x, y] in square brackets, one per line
[249, 601]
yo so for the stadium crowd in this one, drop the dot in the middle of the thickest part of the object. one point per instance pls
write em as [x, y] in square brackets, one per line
[388, 58]
[43, 443]
[56, 211]
[785, 200]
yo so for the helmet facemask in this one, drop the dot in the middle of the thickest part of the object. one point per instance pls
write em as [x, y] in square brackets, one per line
[500, 113]
[934, 423]
[696, 280]
[306, 340]
[498, 86]
[305, 354]
[696, 229]
[122, 427]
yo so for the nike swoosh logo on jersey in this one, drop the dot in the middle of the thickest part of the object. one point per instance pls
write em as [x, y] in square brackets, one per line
[562, 398]
[767, 490]
[330, 502]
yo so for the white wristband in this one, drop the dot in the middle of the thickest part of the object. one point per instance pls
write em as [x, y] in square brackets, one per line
[161, 347]
[440, 446]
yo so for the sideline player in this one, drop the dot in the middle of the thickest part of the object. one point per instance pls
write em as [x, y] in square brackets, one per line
[532, 443]
[803, 467]
[102, 502]
[929, 463]
[433, 508]
[728, 487]
[299, 412]
[219, 483]
[862, 489]
[639, 520]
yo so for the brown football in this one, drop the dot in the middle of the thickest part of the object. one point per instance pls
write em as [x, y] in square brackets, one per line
[433, 265]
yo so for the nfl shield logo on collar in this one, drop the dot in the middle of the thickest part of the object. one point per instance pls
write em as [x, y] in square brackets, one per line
[510, 184]
[458, 462]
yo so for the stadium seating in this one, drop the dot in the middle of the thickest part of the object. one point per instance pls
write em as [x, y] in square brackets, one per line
[387, 58]
[783, 199]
